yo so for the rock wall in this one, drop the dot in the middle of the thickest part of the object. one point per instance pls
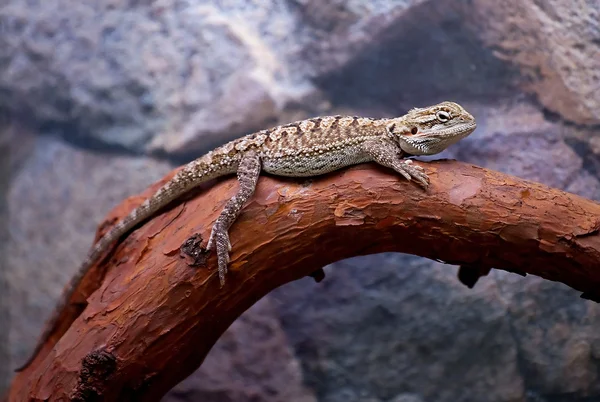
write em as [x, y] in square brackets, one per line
[106, 97]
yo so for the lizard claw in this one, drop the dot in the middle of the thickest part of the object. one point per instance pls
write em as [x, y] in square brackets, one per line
[410, 162]
[417, 173]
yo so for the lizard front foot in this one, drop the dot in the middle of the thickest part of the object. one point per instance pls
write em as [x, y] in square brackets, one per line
[219, 240]
[410, 171]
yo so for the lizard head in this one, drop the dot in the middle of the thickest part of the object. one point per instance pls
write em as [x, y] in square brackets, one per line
[430, 130]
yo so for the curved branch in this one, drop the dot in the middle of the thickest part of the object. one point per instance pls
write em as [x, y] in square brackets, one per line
[155, 316]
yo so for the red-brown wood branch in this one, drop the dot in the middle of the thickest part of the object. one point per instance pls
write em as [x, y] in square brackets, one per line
[153, 318]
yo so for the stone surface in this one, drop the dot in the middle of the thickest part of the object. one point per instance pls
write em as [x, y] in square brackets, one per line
[425, 55]
[515, 138]
[389, 324]
[56, 200]
[147, 76]
[252, 361]
[556, 335]
[6, 145]
[335, 32]
[181, 77]
[555, 44]
[175, 78]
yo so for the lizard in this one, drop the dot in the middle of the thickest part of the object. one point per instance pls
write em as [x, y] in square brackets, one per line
[304, 148]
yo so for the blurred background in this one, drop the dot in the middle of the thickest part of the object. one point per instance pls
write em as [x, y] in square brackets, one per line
[99, 100]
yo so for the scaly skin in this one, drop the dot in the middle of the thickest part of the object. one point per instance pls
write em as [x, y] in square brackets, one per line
[305, 148]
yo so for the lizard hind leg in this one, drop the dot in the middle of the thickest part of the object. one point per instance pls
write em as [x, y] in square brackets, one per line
[248, 173]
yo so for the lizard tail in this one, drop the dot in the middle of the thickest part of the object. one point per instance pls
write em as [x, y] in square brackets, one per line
[190, 176]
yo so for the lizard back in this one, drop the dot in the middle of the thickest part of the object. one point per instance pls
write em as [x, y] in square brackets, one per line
[311, 147]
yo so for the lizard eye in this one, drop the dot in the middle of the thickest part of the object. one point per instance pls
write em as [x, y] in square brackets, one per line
[442, 116]
[414, 130]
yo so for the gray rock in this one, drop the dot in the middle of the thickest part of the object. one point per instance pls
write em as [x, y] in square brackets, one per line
[554, 43]
[148, 77]
[516, 139]
[555, 333]
[407, 398]
[252, 361]
[388, 324]
[56, 202]
[182, 77]
[6, 145]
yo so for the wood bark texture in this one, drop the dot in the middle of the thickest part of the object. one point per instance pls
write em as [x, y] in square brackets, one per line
[146, 317]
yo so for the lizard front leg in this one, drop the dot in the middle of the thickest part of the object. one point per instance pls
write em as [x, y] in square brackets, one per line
[247, 173]
[388, 154]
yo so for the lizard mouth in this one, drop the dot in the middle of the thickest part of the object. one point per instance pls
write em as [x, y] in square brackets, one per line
[457, 131]
[436, 140]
